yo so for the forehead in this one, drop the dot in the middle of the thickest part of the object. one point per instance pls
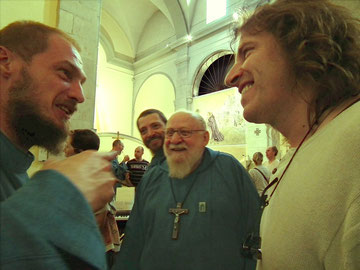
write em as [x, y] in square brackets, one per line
[182, 120]
[61, 51]
[149, 119]
[263, 38]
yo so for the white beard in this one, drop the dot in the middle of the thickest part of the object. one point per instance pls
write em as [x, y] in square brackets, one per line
[183, 167]
[179, 170]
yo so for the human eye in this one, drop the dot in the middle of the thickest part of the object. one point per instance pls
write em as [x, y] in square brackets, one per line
[143, 131]
[156, 126]
[246, 52]
[170, 132]
[185, 132]
[65, 74]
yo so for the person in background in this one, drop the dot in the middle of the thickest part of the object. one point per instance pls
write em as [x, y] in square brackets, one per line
[272, 162]
[151, 124]
[260, 175]
[80, 140]
[192, 211]
[41, 83]
[120, 169]
[297, 68]
[137, 166]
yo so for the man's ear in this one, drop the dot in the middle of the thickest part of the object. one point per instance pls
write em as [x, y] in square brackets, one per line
[6, 57]
[206, 137]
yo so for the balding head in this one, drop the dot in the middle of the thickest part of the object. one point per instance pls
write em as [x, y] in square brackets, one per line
[185, 140]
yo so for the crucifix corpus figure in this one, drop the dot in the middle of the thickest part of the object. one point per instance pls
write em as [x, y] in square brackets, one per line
[177, 212]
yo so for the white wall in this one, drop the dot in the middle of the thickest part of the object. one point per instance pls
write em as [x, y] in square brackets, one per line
[114, 97]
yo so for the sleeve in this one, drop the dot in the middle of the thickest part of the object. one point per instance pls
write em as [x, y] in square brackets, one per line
[131, 248]
[118, 170]
[48, 223]
[248, 201]
[250, 209]
[258, 180]
[124, 166]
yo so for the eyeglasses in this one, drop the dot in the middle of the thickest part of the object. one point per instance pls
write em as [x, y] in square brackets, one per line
[183, 132]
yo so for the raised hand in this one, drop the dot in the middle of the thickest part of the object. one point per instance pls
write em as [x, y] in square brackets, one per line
[90, 171]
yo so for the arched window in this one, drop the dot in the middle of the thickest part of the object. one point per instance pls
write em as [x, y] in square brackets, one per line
[214, 76]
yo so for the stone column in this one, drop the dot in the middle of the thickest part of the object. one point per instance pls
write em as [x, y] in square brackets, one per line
[81, 20]
[183, 95]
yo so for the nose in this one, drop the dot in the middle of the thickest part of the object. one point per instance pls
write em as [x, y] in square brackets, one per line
[76, 92]
[151, 132]
[234, 75]
[176, 138]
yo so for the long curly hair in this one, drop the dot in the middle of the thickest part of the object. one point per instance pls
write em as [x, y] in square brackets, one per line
[322, 43]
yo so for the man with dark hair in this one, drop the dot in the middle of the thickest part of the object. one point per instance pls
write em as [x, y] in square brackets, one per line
[297, 68]
[137, 166]
[81, 140]
[151, 124]
[193, 211]
[41, 78]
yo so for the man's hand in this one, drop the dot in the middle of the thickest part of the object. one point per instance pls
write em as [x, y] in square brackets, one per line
[126, 158]
[90, 172]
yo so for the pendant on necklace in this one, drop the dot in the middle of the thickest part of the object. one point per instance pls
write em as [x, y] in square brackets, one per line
[177, 212]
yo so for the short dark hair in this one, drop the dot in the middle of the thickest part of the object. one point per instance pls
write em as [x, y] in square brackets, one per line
[151, 111]
[84, 139]
[275, 150]
[27, 38]
[322, 43]
[116, 143]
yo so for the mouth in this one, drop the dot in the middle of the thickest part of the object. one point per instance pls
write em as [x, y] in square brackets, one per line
[177, 148]
[67, 109]
[153, 139]
[245, 87]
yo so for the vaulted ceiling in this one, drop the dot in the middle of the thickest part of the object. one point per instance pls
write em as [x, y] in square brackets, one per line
[125, 24]
[131, 29]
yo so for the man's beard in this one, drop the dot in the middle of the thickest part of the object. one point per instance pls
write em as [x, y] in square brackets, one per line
[30, 126]
[155, 137]
[185, 166]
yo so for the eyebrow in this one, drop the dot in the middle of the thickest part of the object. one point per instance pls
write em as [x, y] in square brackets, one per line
[244, 44]
[74, 69]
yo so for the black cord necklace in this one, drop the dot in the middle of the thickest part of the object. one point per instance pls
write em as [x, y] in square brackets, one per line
[264, 199]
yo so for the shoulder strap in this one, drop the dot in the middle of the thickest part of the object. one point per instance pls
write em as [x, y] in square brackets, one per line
[267, 181]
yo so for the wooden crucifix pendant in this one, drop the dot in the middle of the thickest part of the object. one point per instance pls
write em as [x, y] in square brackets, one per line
[177, 212]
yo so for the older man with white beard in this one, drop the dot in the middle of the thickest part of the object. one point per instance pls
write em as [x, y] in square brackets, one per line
[193, 211]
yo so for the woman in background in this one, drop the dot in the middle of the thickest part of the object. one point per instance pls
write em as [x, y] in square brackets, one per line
[260, 175]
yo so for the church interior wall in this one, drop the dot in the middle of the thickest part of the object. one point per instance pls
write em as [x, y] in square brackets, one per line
[113, 97]
[199, 18]
[156, 92]
[116, 35]
[43, 11]
[158, 31]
